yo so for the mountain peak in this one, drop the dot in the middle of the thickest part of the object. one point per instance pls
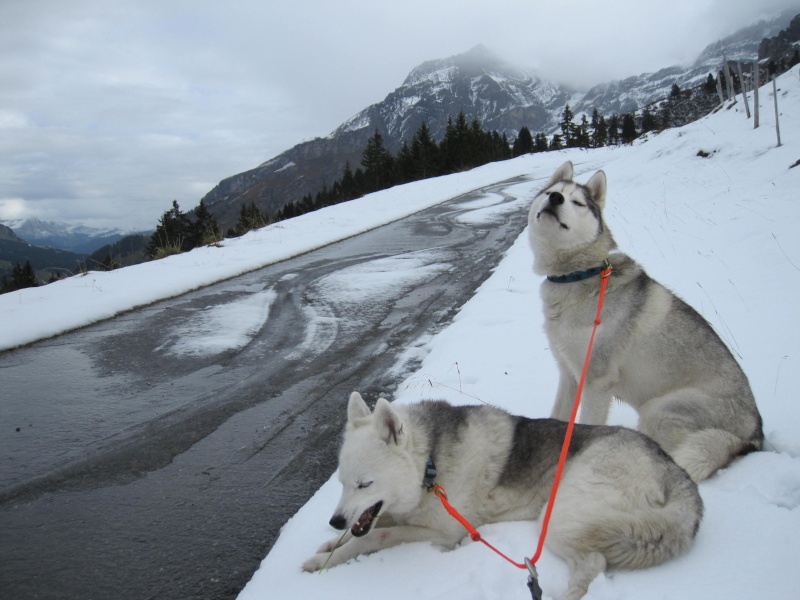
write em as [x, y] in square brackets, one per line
[480, 55]
[477, 61]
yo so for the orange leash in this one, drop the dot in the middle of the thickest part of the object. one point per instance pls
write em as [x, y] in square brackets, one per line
[474, 534]
[562, 459]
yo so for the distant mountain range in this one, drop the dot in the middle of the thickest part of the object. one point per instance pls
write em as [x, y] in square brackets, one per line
[75, 238]
[482, 85]
[46, 261]
[59, 248]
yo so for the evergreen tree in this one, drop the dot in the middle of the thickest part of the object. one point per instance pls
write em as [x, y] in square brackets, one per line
[404, 164]
[524, 143]
[710, 86]
[172, 233]
[425, 152]
[582, 139]
[540, 143]
[502, 149]
[377, 163]
[22, 276]
[665, 116]
[29, 278]
[675, 92]
[250, 217]
[349, 188]
[649, 122]
[108, 263]
[628, 133]
[568, 127]
[479, 146]
[599, 130]
[613, 130]
[455, 148]
[556, 143]
[204, 229]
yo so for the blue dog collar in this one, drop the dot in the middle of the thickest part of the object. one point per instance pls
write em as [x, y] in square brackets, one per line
[577, 275]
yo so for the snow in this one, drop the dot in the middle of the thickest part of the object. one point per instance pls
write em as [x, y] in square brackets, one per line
[288, 165]
[220, 328]
[721, 231]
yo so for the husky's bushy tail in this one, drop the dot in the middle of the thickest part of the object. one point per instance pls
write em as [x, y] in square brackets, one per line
[657, 533]
[704, 452]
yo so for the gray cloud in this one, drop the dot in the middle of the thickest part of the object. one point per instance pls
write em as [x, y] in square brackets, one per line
[109, 111]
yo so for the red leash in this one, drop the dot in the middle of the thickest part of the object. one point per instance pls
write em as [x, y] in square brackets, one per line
[474, 534]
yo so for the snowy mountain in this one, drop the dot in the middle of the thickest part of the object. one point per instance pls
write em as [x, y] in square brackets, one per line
[633, 93]
[502, 96]
[52, 234]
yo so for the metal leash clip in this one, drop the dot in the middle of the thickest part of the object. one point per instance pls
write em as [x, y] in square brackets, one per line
[533, 581]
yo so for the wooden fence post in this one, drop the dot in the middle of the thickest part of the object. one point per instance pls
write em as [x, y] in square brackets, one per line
[775, 96]
[729, 80]
[756, 84]
[743, 86]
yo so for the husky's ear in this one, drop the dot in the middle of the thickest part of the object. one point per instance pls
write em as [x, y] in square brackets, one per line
[563, 173]
[597, 188]
[356, 408]
[388, 423]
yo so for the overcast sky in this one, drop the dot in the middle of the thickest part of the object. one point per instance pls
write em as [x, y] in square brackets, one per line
[109, 110]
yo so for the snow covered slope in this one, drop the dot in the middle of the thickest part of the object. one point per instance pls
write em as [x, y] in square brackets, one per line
[722, 232]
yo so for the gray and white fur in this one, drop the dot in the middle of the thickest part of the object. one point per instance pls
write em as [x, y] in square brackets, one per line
[622, 503]
[652, 351]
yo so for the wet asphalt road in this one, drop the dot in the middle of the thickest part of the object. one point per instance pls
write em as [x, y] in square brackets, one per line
[131, 471]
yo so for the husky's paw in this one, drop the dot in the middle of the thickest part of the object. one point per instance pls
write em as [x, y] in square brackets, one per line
[315, 563]
[334, 543]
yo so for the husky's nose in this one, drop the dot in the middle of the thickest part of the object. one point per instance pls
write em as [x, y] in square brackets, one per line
[556, 198]
[338, 522]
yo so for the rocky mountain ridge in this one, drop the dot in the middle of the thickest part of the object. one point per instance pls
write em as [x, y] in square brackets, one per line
[482, 85]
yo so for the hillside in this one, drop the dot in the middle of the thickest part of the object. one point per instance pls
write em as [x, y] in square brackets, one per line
[46, 261]
[502, 96]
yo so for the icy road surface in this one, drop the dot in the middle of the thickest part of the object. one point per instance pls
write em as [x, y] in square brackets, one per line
[163, 450]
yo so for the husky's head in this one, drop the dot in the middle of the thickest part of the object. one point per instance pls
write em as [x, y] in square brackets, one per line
[376, 469]
[566, 226]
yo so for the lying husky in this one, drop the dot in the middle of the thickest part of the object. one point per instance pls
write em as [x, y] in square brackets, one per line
[652, 351]
[622, 502]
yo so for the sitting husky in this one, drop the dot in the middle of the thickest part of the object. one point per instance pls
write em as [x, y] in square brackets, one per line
[622, 502]
[652, 351]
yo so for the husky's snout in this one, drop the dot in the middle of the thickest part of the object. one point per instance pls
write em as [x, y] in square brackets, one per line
[338, 522]
[364, 523]
[550, 207]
